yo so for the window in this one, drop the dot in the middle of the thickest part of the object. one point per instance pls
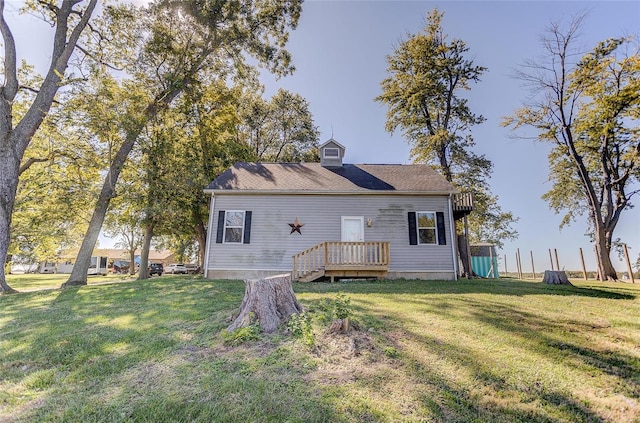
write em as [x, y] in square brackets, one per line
[233, 226]
[426, 228]
[331, 153]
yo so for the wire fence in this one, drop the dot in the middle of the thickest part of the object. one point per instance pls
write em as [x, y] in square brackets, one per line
[513, 266]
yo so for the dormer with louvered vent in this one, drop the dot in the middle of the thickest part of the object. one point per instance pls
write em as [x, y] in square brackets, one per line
[331, 153]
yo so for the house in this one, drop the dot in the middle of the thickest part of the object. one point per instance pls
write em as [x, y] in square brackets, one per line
[331, 219]
[106, 260]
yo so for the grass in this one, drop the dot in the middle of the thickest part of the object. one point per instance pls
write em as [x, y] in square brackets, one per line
[467, 351]
[33, 282]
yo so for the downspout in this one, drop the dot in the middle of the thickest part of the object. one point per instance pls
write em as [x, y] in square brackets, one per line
[454, 256]
[208, 244]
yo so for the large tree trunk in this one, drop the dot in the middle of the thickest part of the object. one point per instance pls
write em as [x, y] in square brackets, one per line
[144, 254]
[603, 250]
[8, 186]
[202, 243]
[269, 301]
[83, 260]
[463, 252]
[15, 140]
[132, 259]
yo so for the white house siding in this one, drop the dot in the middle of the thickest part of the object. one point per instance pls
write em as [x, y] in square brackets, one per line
[272, 246]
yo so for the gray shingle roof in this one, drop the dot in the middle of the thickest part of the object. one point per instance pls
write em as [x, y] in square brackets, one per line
[311, 177]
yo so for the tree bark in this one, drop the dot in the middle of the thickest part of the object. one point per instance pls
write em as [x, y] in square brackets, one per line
[83, 260]
[78, 275]
[144, 254]
[603, 250]
[15, 140]
[464, 256]
[268, 301]
[556, 277]
[8, 186]
[201, 231]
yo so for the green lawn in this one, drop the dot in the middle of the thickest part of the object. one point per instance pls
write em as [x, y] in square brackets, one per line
[33, 282]
[435, 351]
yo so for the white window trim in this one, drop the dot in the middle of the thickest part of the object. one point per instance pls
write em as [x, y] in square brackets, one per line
[435, 227]
[224, 233]
[324, 153]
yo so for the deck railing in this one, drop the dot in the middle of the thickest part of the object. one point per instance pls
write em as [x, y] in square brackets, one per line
[462, 204]
[336, 255]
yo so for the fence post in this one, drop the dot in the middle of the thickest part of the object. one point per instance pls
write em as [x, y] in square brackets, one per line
[629, 269]
[584, 268]
[533, 267]
[506, 271]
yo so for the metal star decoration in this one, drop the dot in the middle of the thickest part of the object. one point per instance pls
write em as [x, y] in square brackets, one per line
[295, 226]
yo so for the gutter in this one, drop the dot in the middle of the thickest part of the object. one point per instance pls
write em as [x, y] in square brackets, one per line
[323, 192]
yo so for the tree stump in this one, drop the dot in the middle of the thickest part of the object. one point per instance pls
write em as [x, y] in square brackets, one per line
[556, 277]
[269, 301]
[340, 326]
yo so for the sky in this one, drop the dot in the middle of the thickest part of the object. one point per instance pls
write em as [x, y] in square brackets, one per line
[339, 50]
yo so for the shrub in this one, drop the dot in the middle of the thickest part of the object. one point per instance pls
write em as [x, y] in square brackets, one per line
[339, 308]
[300, 327]
[242, 335]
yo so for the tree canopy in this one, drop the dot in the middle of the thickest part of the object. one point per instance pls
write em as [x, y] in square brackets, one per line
[428, 75]
[70, 19]
[588, 109]
[278, 130]
[186, 42]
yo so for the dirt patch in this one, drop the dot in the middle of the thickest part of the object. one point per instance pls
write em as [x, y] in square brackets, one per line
[349, 357]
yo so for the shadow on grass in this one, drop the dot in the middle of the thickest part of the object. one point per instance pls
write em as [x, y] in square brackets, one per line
[143, 351]
[565, 340]
[477, 286]
[496, 395]
[492, 394]
[150, 351]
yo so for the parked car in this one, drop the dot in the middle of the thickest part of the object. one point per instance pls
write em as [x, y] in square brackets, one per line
[155, 269]
[174, 268]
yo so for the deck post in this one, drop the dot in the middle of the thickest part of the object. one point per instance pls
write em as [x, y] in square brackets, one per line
[325, 254]
[295, 269]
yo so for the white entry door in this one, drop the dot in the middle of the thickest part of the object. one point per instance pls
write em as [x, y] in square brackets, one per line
[352, 231]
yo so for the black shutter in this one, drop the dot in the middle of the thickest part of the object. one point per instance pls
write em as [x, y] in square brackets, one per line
[220, 233]
[247, 227]
[413, 234]
[442, 238]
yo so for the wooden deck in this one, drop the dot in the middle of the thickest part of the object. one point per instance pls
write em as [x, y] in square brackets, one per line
[341, 259]
[462, 205]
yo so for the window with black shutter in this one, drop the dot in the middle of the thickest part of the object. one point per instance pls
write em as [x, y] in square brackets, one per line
[427, 228]
[234, 227]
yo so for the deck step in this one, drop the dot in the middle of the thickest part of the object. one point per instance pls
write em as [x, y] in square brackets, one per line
[311, 276]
